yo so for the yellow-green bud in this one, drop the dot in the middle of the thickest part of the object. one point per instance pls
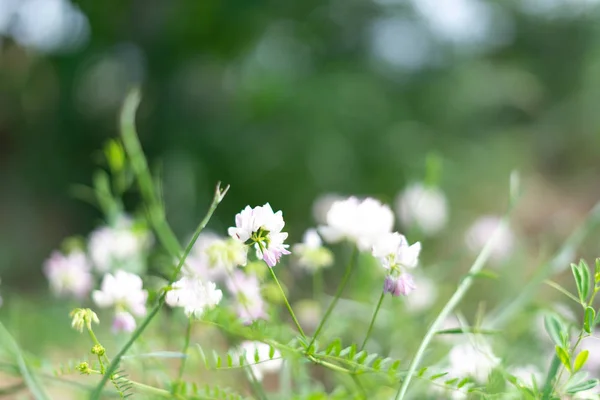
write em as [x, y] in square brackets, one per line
[83, 317]
[98, 350]
[84, 368]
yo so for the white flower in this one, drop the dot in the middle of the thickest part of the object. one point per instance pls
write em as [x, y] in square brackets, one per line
[123, 290]
[193, 295]
[310, 253]
[592, 344]
[423, 207]
[123, 322]
[265, 364]
[481, 232]
[361, 222]
[69, 274]
[423, 298]
[393, 251]
[322, 205]
[261, 227]
[212, 256]
[119, 247]
[473, 359]
[246, 289]
[528, 374]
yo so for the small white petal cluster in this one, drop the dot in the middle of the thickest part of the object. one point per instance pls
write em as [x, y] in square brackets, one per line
[213, 256]
[481, 232]
[310, 254]
[193, 295]
[261, 227]
[118, 247]
[361, 222]
[69, 275]
[123, 291]
[423, 207]
[246, 290]
[473, 359]
[396, 255]
[265, 364]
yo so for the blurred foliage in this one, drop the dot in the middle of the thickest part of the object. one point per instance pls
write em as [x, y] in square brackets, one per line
[289, 100]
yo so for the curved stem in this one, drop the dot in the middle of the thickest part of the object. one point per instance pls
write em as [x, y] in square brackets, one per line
[362, 346]
[339, 292]
[287, 303]
[186, 345]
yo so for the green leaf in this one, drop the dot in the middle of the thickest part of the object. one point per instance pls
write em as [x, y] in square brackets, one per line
[437, 376]
[589, 384]
[271, 352]
[586, 279]
[422, 372]
[334, 347]
[589, 319]
[564, 358]
[580, 360]
[451, 382]
[467, 329]
[555, 328]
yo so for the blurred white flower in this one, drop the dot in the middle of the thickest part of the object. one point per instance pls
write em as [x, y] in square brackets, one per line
[246, 290]
[592, 344]
[474, 359]
[124, 291]
[527, 375]
[422, 207]
[123, 322]
[261, 227]
[311, 254]
[119, 247]
[361, 222]
[322, 205]
[212, 256]
[260, 351]
[481, 232]
[69, 274]
[423, 298]
[393, 251]
[193, 295]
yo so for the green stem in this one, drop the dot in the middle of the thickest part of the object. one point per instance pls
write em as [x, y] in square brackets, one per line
[338, 293]
[186, 345]
[256, 385]
[115, 362]
[362, 346]
[287, 303]
[318, 284]
[461, 290]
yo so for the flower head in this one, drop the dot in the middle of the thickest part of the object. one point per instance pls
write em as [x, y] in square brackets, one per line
[123, 290]
[393, 251]
[423, 207]
[193, 295]
[123, 322]
[311, 254]
[213, 256]
[257, 355]
[474, 359]
[83, 317]
[261, 227]
[481, 232]
[69, 274]
[400, 285]
[361, 222]
[246, 290]
[118, 247]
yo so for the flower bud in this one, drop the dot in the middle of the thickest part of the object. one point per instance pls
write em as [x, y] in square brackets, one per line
[84, 368]
[401, 285]
[83, 317]
[98, 350]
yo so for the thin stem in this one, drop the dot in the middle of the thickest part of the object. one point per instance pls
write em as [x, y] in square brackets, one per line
[338, 293]
[318, 283]
[115, 362]
[362, 346]
[256, 385]
[461, 290]
[186, 345]
[287, 303]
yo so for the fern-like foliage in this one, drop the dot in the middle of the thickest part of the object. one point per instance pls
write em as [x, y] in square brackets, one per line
[192, 391]
[232, 360]
[122, 384]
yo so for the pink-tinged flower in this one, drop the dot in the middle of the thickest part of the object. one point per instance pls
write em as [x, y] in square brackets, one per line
[361, 222]
[69, 275]
[123, 290]
[213, 256]
[423, 207]
[261, 227]
[400, 285]
[246, 290]
[393, 251]
[123, 322]
[193, 295]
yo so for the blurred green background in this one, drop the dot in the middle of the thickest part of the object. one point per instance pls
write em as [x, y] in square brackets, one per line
[288, 100]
